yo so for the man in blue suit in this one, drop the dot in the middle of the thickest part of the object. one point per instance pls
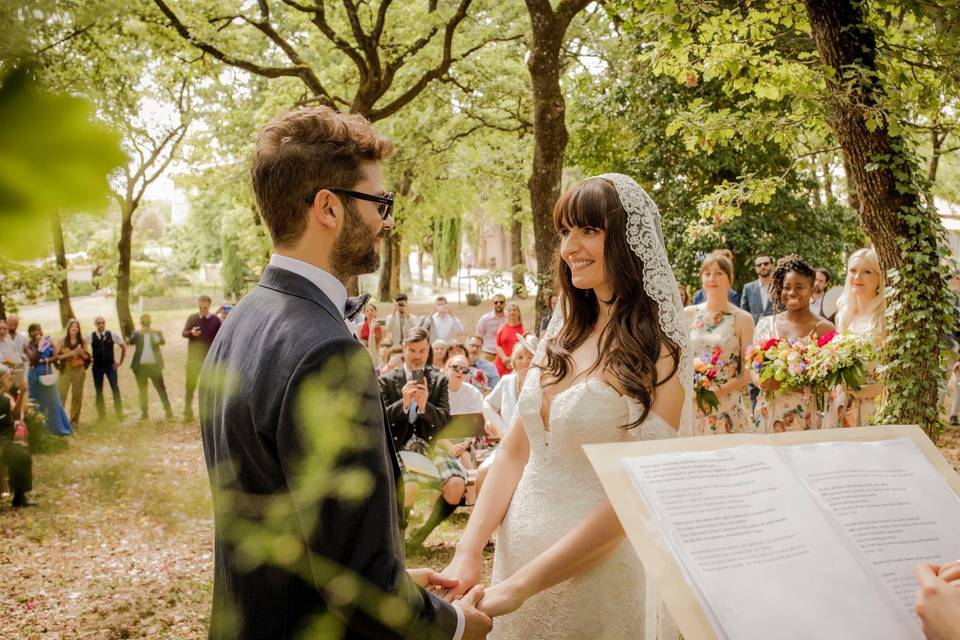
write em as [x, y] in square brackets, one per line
[756, 294]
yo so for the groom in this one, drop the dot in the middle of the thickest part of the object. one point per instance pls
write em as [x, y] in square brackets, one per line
[307, 513]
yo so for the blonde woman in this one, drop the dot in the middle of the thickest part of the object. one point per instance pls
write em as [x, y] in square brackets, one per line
[860, 312]
[722, 332]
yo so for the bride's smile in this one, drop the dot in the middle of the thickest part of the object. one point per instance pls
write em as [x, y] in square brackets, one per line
[581, 248]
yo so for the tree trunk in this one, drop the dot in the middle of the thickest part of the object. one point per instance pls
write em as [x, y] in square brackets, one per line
[396, 264]
[826, 166]
[389, 284]
[3, 309]
[63, 283]
[353, 285]
[123, 269]
[936, 142]
[516, 252]
[548, 28]
[904, 229]
[386, 265]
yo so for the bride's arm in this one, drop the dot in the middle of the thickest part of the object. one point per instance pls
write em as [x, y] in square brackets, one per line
[582, 548]
[587, 544]
[498, 488]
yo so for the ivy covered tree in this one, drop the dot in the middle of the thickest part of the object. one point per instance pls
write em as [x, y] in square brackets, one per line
[816, 78]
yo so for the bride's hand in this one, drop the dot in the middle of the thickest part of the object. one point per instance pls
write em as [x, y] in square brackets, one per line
[466, 570]
[501, 599]
[429, 578]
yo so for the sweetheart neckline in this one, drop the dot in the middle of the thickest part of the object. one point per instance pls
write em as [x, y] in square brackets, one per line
[585, 382]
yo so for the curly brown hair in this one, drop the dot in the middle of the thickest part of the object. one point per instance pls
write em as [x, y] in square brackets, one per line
[630, 345]
[785, 265]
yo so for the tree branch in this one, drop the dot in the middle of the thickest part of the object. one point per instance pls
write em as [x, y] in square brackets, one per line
[320, 21]
[303, 72]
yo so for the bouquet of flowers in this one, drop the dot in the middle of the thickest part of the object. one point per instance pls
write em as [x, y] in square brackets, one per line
[706, 368]
[785, 361]
[840, 360]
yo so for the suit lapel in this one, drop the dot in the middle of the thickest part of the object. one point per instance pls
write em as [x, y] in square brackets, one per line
[291, 284]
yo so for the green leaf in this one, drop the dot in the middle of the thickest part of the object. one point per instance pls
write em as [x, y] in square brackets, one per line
[52, 157]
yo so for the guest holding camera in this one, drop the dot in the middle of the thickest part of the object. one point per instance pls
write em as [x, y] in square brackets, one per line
[74, 355]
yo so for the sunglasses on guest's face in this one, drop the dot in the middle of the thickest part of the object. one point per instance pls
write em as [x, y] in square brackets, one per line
[384, 202]
[499, 302]
[765, 263]
[458, 369]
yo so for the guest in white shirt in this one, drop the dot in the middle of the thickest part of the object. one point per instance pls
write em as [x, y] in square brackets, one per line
[442, 324]
[401, 320]
[13, 356]
[499, 407]
[19, 339]
[147, 365]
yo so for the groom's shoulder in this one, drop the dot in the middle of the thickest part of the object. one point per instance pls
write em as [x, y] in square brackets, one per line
[273, 333]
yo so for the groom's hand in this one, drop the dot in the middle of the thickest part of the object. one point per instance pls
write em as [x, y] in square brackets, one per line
[430, 578]
[478, 624]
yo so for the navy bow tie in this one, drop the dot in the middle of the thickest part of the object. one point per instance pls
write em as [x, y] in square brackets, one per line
[354, 306]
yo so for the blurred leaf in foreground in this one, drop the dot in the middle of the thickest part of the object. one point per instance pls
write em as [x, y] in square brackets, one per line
[52, 156]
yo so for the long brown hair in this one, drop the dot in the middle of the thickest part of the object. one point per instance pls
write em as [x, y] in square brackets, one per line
[631, 343]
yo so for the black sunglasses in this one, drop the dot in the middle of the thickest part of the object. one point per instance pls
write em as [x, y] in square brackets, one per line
[384, 202]
[463, 370]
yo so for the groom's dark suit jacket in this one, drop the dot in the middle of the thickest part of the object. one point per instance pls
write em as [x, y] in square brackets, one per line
[263, 390]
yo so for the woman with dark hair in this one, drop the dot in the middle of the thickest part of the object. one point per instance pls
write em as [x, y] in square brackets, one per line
[42, 381]
[75, 357]
[612, 366]
[790, 290]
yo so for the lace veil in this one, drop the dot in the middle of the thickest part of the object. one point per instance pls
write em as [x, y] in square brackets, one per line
[645, 237]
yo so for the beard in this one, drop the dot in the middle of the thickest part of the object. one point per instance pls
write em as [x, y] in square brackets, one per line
[354, 252]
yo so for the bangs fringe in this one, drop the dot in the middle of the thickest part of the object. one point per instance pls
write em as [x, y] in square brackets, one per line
[581, 207]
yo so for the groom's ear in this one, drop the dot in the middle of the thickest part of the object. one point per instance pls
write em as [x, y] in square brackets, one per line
[327, 210]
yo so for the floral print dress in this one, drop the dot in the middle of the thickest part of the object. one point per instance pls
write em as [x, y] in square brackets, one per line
[778, 411]
[845, 410]
[713, 337]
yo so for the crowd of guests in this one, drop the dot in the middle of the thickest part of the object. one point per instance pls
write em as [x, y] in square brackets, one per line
[788, 300]
[45, 374]
[429, 374]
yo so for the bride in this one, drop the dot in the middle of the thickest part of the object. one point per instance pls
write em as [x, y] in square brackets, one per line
[613, 366]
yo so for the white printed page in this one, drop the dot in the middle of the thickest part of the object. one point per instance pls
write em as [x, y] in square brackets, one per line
[895, 506]
[761, 554]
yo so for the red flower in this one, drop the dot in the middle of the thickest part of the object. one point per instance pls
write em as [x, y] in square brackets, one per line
[827, 337]
[772, 342]
[715, 356]
[712, 374]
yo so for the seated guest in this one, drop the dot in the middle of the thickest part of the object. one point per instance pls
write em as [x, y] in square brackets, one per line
[490, 376]
[14, 452]
[439, 348]
[500, 405]
[382, 356]
[418, 408]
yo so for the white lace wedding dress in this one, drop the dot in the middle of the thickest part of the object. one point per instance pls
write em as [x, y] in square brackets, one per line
[557, 491]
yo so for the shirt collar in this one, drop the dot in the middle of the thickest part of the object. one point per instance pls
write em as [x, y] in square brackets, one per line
[323, 280]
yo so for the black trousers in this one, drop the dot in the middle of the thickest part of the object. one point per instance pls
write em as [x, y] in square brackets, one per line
[152, 373]
[19, 465]
[111, 375]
